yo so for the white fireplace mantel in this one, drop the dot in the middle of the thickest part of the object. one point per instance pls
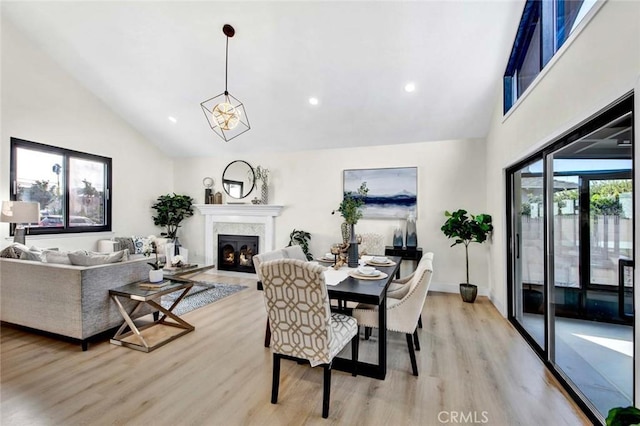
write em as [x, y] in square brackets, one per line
[238, 213]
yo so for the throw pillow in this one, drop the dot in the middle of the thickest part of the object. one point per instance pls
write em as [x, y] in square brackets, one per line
[19, 249]
[54, 256]
[9, 253]
[84, 258]
[138, 243]
[124, 243]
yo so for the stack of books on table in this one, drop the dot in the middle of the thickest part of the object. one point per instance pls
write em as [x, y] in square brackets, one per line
[147, 285]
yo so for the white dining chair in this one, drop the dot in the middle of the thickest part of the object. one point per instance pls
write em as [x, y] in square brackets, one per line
[403, 313]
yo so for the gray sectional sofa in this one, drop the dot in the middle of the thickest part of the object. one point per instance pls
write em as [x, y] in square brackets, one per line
[67, 300]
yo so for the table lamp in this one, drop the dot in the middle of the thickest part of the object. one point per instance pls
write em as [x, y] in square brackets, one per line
[20, 212]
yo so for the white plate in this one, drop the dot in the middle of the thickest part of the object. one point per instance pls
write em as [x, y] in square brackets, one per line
[372, 274]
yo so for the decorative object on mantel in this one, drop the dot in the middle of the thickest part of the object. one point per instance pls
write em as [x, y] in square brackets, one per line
[350, 210]
[171, 210]
[208, 191]
[412, 236]
[466, 230]
[263, 174]
[217, 198]
[225, 113]
[255, 200]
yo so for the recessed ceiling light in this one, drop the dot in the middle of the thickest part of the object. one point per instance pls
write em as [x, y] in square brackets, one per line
[314, 101]
[409, 87]
[172, 119]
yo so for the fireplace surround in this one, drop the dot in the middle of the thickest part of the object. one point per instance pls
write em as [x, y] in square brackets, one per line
[231, 218]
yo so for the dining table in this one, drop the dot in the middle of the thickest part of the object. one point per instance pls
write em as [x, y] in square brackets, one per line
[368, 291]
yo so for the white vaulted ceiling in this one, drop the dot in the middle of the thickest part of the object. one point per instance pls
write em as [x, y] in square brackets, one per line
[150, 60]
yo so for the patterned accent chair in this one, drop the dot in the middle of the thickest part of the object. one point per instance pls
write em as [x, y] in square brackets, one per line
[403, 313]
[302, 325]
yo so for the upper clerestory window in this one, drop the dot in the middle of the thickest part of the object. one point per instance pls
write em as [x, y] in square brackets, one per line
[544, 27]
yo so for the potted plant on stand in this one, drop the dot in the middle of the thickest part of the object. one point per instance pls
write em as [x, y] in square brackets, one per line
[467, 229]
[171, 210]
[350, 210]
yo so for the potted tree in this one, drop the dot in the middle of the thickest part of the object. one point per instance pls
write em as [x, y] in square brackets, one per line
[171, 210]
[467, 229]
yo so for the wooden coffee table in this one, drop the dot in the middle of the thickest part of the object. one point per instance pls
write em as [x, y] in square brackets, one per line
[152, 335]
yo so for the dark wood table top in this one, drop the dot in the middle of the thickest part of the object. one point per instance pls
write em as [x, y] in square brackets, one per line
[135, 292]
[365, 291]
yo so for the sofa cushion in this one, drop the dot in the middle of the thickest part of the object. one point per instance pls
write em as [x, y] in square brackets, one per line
[32, 254]
[55, 256]
[88, 258]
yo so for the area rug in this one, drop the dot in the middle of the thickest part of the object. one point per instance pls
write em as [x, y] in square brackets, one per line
[201, 294]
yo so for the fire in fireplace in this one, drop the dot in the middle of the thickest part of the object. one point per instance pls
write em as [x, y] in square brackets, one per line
[235, 252]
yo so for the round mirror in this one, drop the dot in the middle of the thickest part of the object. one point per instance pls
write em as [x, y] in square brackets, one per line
[238, 179]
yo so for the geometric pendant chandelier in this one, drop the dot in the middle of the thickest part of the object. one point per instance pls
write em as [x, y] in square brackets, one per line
[225, 113]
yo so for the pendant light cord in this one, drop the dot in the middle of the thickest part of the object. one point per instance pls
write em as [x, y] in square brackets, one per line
[226, 67]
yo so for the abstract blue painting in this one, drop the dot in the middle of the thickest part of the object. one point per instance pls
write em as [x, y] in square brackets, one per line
[393, 192]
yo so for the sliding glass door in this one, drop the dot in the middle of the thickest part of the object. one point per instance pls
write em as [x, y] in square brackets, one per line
[571, 258]
[528, 223]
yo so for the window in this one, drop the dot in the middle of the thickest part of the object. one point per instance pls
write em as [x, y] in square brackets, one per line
[544, 27]
[72, 187]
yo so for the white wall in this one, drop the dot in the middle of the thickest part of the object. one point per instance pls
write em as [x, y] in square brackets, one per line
[451, 175]
[42, 103]
[601, 65]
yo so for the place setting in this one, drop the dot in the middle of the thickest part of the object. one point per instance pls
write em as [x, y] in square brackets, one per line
[367, 273]
[326, 258]
[379, 261]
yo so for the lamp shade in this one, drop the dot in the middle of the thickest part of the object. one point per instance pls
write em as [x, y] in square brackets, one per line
[20, 212]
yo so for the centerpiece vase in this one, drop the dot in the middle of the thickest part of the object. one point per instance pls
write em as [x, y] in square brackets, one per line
[352, 260]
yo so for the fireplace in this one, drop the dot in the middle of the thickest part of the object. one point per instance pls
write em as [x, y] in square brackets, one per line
[235, 252]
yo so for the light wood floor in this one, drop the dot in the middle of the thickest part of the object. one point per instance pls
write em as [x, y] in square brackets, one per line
[473, 367]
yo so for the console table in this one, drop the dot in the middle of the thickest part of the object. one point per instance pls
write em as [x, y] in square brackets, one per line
[406, 253]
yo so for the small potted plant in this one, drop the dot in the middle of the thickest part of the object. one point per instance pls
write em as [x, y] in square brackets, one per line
[467, 229]
[302, 239]
[350, 210]
[171, 210]
[148, 248]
